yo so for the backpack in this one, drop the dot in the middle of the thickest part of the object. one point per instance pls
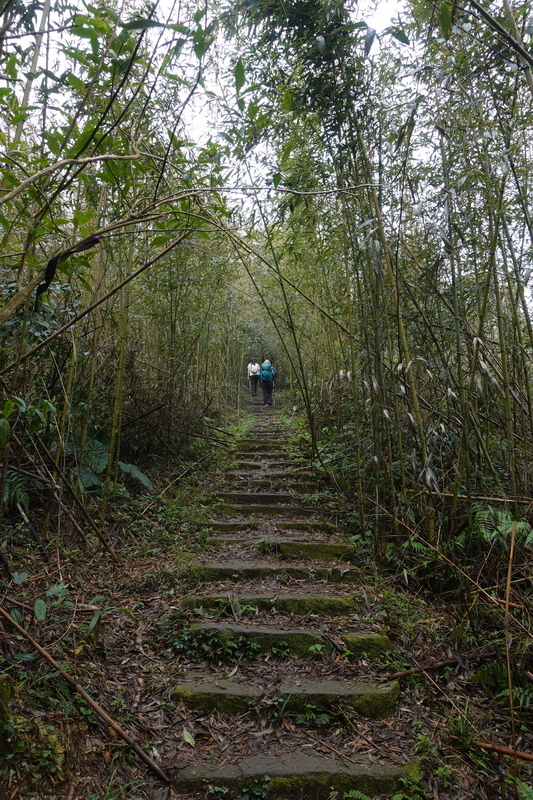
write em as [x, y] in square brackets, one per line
[254, 369]
[267, 373]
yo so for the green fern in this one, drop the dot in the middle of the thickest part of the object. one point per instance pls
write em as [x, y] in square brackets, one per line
[16, 490]
[491, 525]
[525, 790]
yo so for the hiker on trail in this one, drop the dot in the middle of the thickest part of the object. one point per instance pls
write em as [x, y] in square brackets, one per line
[253, 375]
[267, 374]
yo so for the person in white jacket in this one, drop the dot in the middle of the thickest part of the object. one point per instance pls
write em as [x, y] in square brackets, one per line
[253, 375]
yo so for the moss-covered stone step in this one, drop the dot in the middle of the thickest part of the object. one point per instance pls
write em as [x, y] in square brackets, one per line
[257, 456]
[231, 570]
[256, 480]
[319, 551]
[253, 539]
[265, 444]
[298, 774]
[224, 541]
[337, 574]
[258, 498]
[316, 526]
[271, 474]
[242, 509]
[226, 527]
[371, 644]
[261, 446]
[287, 473]
[298, 604]
[375, 701]
[293, 642]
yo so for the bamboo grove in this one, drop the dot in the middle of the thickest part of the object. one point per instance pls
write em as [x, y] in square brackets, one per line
[264, 177]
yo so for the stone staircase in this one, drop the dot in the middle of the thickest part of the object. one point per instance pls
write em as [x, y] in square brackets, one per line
[275, 557]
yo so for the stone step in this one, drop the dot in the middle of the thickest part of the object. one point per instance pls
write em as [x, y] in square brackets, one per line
[231, 570]
[371, 700]
[226, 527]
[298, 604]
[272, 455]
[251, 464]
[293, 642]
[281, 510]
[256, 480]
[318, 551]
[270, 474]
[252, 538]
[246, 569]
[315, 526]
[298, 774]
[264, 444]
[256, 434]
[257, 497]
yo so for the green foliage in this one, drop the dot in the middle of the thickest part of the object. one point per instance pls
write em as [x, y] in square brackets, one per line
[258, 790]
[281, 650]
[216, 792]
[95, 461]
[200, 644]
[313, 716]
[42, 746]
[494, 677]
[525, 790]
[493, 525]
[16, 490]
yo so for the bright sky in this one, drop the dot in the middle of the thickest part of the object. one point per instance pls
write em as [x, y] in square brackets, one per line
[381, 16]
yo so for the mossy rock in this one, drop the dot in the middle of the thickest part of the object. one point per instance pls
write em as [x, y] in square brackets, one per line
[374, 701]
[184, 557]
[371, 644]
[226, 696]
[318, 551]
[302, 604]
[337, 575]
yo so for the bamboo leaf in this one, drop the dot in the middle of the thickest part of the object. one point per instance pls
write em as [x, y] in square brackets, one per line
[287, 101]
[369, 39]
[11, 67]
[39, 609]
[188, 737]
[94, 622]
[445, 20]
[399, 34]
[238, 72]
[141, 24]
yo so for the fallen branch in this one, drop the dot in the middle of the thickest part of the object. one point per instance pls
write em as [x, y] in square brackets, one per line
[88, 699]
[498, 748]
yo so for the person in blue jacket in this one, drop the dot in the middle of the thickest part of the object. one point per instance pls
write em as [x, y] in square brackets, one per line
[267, 373]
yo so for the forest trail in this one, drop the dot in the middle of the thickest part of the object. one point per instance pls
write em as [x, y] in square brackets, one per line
[278, 592]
